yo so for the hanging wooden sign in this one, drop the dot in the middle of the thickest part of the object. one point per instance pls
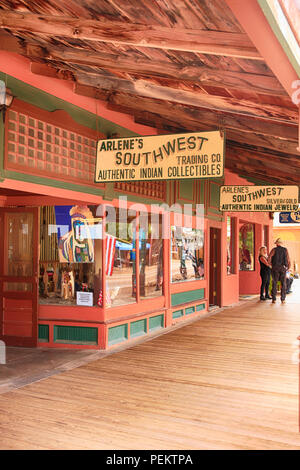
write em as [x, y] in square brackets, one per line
[259, 198]
[161, 157]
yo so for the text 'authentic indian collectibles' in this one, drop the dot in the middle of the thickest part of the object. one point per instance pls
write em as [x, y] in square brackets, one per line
[161, 157]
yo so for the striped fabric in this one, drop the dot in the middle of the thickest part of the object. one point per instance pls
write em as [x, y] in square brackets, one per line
[109, 263]
[110, 254]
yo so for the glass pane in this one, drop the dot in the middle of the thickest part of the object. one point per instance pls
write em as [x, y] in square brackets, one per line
[17, 286]
[70, 255]
[151, 255]
[230, 245]
[187, 254]
[19, 261]
[121, 260]
[246, 247]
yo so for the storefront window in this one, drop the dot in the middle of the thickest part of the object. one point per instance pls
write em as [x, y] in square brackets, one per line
[71, 250]
[246, 247]
[151, 256]
[70, 255]
[187, 254]
[230, 245]
[121, 262]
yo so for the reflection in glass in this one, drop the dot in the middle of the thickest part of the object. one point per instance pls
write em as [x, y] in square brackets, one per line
[230, 245]
[121, 262]
[19, 260]
[246, 247]
[187, 254]
[151, 256]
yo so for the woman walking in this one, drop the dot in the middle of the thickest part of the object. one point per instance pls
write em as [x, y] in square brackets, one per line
[265, 273]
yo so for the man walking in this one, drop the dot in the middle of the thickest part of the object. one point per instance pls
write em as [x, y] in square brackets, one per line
[280, 261]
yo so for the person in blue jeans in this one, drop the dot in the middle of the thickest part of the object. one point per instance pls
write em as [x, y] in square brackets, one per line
[265, 273]
[280, 261]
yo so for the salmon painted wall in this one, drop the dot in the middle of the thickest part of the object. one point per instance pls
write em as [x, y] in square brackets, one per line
[291, 240]
[19, 67]
[243, 282]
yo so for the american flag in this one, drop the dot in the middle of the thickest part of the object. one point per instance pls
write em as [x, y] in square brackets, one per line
[110, 254]
[109, 262]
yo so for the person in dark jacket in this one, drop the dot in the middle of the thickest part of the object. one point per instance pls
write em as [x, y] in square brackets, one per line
[265, 273]
[280, 261]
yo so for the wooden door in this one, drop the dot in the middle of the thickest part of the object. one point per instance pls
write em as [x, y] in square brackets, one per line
[19, 276]
[215, 267]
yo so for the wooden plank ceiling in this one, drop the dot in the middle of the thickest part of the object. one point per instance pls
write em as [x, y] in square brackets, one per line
[177, 65]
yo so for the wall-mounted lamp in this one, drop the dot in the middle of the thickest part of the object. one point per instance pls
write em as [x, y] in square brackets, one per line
[6, 98]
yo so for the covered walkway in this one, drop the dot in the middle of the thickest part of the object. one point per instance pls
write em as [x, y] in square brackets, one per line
[224, 382]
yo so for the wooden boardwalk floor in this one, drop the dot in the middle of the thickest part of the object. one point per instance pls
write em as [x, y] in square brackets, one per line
[224, 382]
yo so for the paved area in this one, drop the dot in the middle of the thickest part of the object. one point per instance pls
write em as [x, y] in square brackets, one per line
[224, 382]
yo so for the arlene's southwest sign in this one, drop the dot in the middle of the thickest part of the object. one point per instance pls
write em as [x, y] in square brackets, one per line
[258, 198]
[161, 157]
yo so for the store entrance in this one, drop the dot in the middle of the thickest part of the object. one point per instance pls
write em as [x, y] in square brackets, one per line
[18, 276]
[215, 267]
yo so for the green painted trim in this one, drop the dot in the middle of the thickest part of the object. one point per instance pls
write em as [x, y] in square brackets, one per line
[178, 314]
[48, 102]
[52, 182]
[138, 328]
[75, 334]
[157, 322]
[200, 307]
[117, 334]
[288, 48]
[189, 310]
[28, 178]
[187, 296]
[186, 190]
[43, 333]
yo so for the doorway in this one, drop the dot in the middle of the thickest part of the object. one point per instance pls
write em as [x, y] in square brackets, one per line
[215, 267]
[19, 276]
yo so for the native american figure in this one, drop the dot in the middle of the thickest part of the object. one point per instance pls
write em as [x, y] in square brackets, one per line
[77, 246]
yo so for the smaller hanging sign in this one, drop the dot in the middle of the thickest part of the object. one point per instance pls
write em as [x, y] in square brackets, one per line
[289, 217]
[259, 198]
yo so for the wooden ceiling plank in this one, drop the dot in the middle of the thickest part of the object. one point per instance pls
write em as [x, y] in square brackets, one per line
[198, 73]
[139, 35]
[202, 115]
[195, 120]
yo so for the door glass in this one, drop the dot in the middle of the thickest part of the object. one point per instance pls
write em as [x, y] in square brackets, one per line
[18, 246]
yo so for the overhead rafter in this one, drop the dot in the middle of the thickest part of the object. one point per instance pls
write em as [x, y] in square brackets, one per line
[139, 35]
[200, 74]
[92, 85]
[193, 118]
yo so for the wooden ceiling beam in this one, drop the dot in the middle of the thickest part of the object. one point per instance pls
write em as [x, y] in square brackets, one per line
[201, 75]
[194, 120]
[138, 35]
[187, 116]
[147, 88]
[256, 171]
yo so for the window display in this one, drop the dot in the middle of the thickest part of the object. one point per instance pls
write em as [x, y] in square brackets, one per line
[230, 245]
[246, 247]
[151, 256]
[187, 254]
[71, 250]
[121, 262]
[70, 253]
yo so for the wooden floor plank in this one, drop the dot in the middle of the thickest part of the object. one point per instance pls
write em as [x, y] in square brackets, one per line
[224, 382]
